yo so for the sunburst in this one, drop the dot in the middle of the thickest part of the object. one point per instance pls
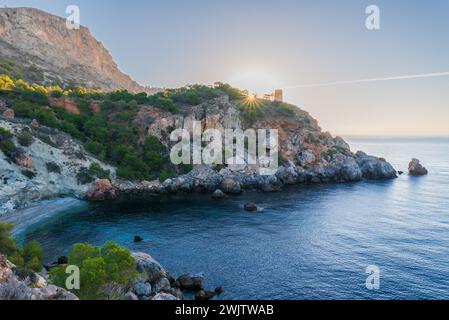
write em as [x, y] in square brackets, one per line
[252, 102]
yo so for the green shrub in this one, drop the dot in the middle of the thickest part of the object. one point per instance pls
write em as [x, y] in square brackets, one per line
[83, 177]
[29, 174]
[8, 245]
[8, 148]
[98, 268]
[95, 148]
[53, 167]
[33, 256]
[25, 138]
[97, 171]
[164, 175]
[30, 257]
[88, 175]
[56, 94]
[45, 117]
[5, 134]
[23, 109]
[193, 98]
[185, 168]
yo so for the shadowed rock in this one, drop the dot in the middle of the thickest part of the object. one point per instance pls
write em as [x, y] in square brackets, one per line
[416, 169]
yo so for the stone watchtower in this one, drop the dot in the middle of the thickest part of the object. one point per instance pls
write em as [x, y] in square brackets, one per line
[279, 95]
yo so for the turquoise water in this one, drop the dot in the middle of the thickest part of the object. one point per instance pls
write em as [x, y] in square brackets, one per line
[308, 242]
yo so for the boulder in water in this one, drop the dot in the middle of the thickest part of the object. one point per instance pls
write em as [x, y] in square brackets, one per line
[251, 207]
[204, 295]
[219, 290]
[218, 194]
[191, 283]
[416, 169]
[63, 260]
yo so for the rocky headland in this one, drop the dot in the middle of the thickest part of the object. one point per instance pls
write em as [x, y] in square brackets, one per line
[57, 160]
[58, 140]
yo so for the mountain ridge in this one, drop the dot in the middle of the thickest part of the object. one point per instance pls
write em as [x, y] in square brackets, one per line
[34, 39]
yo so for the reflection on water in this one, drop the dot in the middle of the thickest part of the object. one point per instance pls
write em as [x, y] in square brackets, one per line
[308, 242]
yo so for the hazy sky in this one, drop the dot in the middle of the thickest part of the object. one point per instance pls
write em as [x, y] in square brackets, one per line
[263, 45]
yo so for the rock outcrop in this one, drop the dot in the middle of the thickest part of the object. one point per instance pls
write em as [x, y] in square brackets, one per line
[415, 168]
[14, 288]
[43, 44]
[104, 190]
[57, 163]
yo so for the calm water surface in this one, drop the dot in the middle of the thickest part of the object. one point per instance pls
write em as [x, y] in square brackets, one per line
[308, 242]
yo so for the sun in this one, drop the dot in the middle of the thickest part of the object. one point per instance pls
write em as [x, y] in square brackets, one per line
[251, 100]
[256, 81]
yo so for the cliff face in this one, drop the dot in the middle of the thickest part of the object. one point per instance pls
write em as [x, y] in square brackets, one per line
[307, 153]
[31, 37]
[53, 165]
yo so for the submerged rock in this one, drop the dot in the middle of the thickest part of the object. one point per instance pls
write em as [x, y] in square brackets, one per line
[416, 169]
[189, 282]
[62, 260]
[138, 239]
[251, 207]
[204, 295]
[218, 194]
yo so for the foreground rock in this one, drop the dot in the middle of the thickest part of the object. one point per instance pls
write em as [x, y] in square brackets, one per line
[164, 296]
[416, 169]
[148, 265]
[14, 288]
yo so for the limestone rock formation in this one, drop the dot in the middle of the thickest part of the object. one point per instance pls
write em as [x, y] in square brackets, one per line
[43, 44]
[55, 159]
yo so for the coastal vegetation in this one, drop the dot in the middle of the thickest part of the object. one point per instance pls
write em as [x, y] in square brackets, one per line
[28, 258]
[106, 273]
[110, 133]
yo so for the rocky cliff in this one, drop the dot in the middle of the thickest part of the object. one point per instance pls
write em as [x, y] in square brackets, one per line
[55, 164]
[38, 46]
[307, 154]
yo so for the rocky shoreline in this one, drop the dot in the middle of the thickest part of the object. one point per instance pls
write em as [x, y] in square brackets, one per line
[204, 179]
[154, 283]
